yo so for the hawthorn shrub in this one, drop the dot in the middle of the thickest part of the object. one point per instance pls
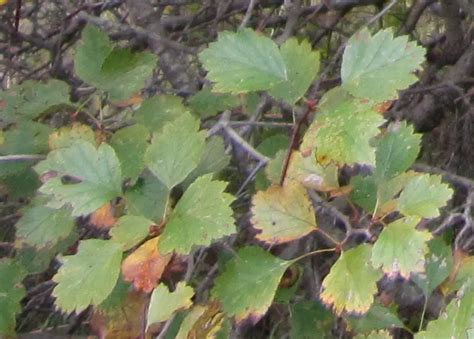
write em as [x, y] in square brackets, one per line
[133, 224]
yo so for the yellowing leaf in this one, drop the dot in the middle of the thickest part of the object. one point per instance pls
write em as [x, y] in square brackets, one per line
[283, 213]
[401, 248]
[352, 282]
[202, 322]
[66, 136]
[145, 266]
[103, 218]
[164, 303]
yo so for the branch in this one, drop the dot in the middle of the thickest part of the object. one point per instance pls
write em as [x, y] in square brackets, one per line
[21, 158]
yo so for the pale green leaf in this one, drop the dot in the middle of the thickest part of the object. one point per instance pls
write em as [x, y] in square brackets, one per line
[31, 99]
[206, 104]
[158, 110]
[248, 284]
[148, 198]
[439, 265]
[283, 213]
[352, 282]
[176, 151]
[201, 216]
[41, 226]
[130, 230]
[95, 173]
[68, 135]
[243, 61]
[397, 151]
[424, 195]
[342, 134]
[378, 66]
[11, 293]
[130, 144]
[89, 276]
[400, 248]
[302, 66]
[375, 335]
[455, 321]
[274, 168]
[164, 303]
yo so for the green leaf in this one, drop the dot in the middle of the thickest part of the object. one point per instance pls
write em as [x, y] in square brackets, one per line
[176, 151]
[377, 318]
[22, 184]
[400, 248]
[283, 213]
[94, 48]
[302, 67]
[32, 99]
[274, 168]
[89, 276]
[352, 282]
[41, 226]
[243, 61]
[97, 170]
[11, 293]
[439, 264]
[201, 216]
[164, 303]
[343, 132]
[148, 198]
[156, 111]
[376, 67]
[364, 192]
[397, 151]
[310, 317]
[117, 71]
[206, 104]
[130, 230]
[130, 144]
[27, 137]
[213, 160]
[245, 289]
[423, 196]
[455, 321]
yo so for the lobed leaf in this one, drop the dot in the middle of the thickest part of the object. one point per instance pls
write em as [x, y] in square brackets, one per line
[176, 151]
[243, 61]
[96, 172]
[89, 276]
[164, 303]
[201, 216]
[130, 230]
[283, 213]
[400, 248]
[352, 282]
[244, 289]
[423, 196]
[378, 66]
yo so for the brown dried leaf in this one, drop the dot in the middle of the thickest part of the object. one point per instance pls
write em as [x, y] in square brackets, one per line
[145, 266]
[103, 218]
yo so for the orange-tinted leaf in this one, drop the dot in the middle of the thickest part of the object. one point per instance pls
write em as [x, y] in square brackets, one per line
[123, 322]
[145, 266]
[103, 218]
[135, 100]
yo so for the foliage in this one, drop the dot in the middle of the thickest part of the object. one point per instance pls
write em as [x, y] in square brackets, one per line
[161, 193]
